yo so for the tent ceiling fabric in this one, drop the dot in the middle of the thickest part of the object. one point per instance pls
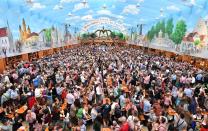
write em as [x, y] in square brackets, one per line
[44, 13]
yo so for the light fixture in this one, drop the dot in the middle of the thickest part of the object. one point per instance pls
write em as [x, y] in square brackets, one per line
[60, 7]
[104, 7]
[29, 2]
[138, 5]
[161, 12]
[84, 2]
[70, 14]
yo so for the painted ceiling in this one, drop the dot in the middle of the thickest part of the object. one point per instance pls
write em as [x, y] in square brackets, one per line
[41, 14]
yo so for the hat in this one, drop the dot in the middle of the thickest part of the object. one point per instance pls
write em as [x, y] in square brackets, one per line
[122, 119]
[136, 119]
[114, 123]
[168, 93]
[9, 84]
[194, 116]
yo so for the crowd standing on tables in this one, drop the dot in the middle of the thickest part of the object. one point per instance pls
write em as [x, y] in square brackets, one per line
[104, 88]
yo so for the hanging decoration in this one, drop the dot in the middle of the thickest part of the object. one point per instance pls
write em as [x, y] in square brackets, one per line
[104, 21]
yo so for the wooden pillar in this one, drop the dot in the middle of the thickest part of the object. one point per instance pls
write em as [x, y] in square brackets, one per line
[2, 64]
[40, 54]
[205, 61]
[186, 58]
[197, 63]
[157, 52]
[54, 50]
[206, 64]
[168, 54]
[25, 57]
[173, 55]
[179, 57]
[50, 51]
[148, 51]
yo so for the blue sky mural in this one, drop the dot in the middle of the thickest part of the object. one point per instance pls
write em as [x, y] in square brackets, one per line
[40, 14]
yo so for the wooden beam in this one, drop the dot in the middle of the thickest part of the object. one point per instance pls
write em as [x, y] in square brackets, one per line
[2, 64]
[25, 57]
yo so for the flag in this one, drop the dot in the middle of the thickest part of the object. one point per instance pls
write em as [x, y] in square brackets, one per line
[48, 35]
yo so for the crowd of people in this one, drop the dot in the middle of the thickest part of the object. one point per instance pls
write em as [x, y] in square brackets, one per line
[103, 88]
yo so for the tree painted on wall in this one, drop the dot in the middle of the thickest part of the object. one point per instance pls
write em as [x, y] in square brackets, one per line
[162, 28]
[179, 32]
[197, 42]
[169, 27]
[154, 31]
[151, 33]
[113, 34]
[93, 35]
[47, 34]
[157, 28]
[120, 35]
[85, 36]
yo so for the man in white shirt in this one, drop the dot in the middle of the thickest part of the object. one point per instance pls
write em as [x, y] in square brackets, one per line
[82, 126]
[188, 92]
[98, 93]
[113, 106]
[37, 92]
[147, 106]
[82, 78]
[122, 100]
[30, 118]
[70, 98]
[193, 80]
[91, 94]
[14, 94]
[59, 90]
[6, 79]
